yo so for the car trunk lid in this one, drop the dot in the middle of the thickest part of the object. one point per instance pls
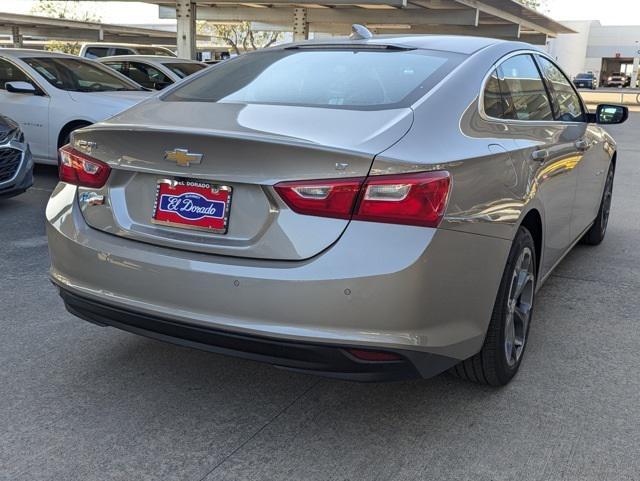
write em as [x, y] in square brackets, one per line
[246, 147]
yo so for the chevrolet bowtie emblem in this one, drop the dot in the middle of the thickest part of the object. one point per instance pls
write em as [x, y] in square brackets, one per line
[182, 157]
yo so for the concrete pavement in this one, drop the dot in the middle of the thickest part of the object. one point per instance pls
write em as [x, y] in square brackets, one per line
[79, 402]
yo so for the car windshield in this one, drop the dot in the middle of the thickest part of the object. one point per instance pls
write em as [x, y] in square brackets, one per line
[584, 76]
[183, 70]
[155, 51]
[341, 78]
[78, 75]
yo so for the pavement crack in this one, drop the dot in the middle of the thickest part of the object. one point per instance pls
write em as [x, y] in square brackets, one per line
[262, 428]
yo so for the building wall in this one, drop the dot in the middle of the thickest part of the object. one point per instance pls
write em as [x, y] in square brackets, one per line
[594, 42]
[570, 50]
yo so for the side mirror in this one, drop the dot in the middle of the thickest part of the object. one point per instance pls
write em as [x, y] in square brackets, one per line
[611, 114]
[20, 87]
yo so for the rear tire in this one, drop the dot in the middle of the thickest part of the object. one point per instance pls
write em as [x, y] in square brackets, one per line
[595, 235]
[501, 355]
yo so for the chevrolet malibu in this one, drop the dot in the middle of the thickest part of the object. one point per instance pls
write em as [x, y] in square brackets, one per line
[369, 209]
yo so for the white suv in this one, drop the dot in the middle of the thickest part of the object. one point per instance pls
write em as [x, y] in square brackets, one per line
[52, 94]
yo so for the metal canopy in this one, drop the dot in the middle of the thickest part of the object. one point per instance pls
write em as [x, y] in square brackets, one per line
[505, 19]
[20, 26]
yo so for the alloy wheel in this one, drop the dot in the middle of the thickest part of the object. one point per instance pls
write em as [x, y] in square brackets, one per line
[519, 305]
[606, 202]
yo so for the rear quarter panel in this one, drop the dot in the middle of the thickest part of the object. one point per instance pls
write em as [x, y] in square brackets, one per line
[492, 186]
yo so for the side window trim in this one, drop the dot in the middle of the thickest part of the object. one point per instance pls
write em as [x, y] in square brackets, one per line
[544, 79]
[547, 89]
[496, 67]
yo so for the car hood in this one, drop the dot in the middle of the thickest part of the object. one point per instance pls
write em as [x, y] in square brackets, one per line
[112, 102]
[358, 130]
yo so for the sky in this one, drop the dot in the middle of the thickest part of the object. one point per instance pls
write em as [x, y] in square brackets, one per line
[609, 12]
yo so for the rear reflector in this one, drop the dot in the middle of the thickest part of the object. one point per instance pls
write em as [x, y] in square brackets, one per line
[80, 169]
[379, 356]
[413, 199]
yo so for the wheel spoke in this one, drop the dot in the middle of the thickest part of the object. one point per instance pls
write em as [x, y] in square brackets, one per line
[522, 315]
[510, 340]
[524, 278]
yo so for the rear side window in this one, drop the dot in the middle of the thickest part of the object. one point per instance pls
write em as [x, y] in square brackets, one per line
[117, 66]
[361, 79]
[123, 51]
[564, 98]
[154, 51]
[96, 52]
[523, 92]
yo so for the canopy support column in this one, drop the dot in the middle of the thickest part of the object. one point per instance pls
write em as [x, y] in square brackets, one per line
[186, 23]
[16, 37]
[300, 25]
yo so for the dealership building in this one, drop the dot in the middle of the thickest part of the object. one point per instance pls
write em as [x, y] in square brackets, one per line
[597, 48]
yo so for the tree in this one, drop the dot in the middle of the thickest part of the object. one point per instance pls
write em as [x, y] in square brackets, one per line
[70, 10]
[72, 48]
[240, 37]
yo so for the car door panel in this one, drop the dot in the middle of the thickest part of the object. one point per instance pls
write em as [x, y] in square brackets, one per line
[585, 141]
[591, 179]
[551, 160]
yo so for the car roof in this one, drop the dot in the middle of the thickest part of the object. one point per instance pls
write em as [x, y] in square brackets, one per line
[151, 58]
[116, 44]
[31, 52]
[448, 43]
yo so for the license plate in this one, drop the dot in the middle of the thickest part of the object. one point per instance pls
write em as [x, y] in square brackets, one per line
[192, 205]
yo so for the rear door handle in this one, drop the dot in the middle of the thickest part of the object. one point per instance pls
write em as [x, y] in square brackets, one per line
[540, 155]
[583, 144]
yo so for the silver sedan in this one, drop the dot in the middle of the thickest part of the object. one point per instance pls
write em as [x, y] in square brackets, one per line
[369, 209]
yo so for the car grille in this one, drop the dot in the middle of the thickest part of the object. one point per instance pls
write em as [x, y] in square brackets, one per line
[9, 163]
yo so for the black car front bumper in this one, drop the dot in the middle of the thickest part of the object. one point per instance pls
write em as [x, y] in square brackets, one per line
[322, 359]
[18, 172]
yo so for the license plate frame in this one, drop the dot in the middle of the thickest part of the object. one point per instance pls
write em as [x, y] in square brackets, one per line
[212, 192]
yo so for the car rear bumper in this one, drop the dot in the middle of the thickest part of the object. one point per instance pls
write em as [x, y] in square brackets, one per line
[380, 286]
[322, 359]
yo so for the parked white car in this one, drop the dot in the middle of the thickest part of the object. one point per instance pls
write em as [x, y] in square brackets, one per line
[98, 50]
[51, 94]
[153, 71]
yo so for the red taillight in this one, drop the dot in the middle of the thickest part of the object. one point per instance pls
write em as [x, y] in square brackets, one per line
[80, 169]
[376, 356]
[325, 198]
[414, 199]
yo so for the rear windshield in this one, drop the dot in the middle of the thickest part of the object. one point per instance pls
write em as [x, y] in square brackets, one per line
[183, 70]
[584, 76]
[155, 51]
[362, 79]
